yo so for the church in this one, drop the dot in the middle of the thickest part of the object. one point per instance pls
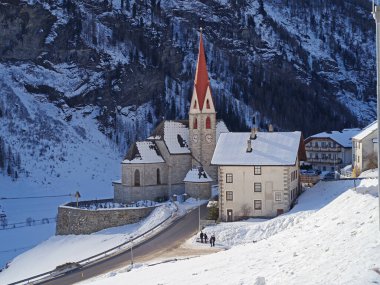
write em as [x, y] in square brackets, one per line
[178, 154]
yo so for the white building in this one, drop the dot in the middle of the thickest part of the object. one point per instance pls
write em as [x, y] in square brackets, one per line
[365, 148]
[258, 173]
[330, 151]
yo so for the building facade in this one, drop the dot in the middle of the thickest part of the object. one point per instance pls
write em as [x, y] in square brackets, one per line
[365, 149]
[330, 151]
[156, 168]
[258, 173]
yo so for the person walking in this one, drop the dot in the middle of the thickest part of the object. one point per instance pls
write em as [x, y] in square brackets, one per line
[205, 237]
[212, 240]
[201, 236]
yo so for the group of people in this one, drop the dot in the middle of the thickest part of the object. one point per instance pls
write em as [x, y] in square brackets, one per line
[204, 238]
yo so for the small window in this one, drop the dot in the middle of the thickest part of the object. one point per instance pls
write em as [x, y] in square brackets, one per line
[257, 170]
[277, 196]
[229, 178]
[207, 104]
[195, 104]
[257, 204]
[229, 196]
[257, 187]
[137, 177]
[195, 123]
[208, 123]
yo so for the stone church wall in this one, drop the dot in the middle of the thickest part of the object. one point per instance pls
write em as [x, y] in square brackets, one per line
[72, 220]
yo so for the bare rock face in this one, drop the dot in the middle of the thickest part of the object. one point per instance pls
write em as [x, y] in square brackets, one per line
[24, 29]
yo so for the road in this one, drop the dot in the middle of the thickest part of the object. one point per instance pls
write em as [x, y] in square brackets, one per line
[153, 248]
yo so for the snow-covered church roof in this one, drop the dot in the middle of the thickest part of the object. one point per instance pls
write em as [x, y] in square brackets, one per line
[269, 148]
[197, 175]
[344, 137]
[143, 152]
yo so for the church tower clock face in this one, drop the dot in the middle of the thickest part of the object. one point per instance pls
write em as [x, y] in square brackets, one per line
[195, 138]
[209, 138]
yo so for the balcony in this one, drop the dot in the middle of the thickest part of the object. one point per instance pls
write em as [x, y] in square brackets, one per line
[313, 148]
[325, 160]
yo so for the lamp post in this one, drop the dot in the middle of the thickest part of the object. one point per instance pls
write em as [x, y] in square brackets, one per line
[376, 15]
[131, 241]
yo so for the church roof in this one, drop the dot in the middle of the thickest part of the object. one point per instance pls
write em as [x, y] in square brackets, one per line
[269, 148]
[175, 135]
[221, 128]
[198, 175]
[143, 152]
[201, 75]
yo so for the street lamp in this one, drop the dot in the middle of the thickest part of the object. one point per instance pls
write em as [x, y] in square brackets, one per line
[131, 241]
[376, 15]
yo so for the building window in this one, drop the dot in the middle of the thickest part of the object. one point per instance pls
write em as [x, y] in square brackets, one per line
[277, 196]
[195, 123]
[195, 104]
[257, 187]
[137, 177]
[229, 195]
[207, 104]
[229, 178]
[158, 176]
[257, 170]
[208, 123]
[257, 204]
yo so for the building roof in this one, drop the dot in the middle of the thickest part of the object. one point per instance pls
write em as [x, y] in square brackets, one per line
[344, 137]
[269, 148]
[221, 128]
[143, 152]
[201, 76]
[198, 175]
[175, 135]
[366, 131]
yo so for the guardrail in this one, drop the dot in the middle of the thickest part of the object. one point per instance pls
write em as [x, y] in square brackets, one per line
[92, 259]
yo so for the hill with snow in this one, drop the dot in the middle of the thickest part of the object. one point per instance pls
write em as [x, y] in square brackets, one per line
[330, 237]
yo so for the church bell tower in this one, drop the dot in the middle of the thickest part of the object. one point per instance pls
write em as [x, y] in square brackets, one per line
[202, 117]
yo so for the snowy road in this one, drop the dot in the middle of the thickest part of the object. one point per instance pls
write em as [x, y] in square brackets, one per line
[155, 247]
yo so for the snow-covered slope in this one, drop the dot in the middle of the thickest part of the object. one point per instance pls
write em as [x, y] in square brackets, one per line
[336, 242]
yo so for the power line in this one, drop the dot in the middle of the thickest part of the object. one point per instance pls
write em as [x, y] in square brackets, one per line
[34, 197]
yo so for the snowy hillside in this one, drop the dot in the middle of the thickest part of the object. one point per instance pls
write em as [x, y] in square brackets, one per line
[331, 237]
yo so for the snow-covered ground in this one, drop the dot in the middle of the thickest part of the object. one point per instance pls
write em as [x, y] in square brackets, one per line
[330, 237]
[58, 250]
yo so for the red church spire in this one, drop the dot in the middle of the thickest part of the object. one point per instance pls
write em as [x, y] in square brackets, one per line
[201, 75]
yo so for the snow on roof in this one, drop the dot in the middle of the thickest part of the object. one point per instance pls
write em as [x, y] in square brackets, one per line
[221, 128]
[269, 148]
[176, 137]
[197, 175]
[366, 131]
[344, 137]
[146, 152]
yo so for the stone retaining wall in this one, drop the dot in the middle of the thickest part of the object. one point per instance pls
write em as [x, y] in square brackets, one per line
[72, 220]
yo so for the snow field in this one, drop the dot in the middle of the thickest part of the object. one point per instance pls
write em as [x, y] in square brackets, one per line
[330, 237]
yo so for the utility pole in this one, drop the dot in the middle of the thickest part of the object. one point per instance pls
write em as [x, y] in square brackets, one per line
[376, 15]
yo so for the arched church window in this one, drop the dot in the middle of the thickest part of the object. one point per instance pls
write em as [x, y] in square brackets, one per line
[158, 176]
[137, 177]
[195, 123]
[195, 104]
[208, 123]
[207, 104]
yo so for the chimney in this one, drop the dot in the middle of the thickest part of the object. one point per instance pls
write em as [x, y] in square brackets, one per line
[255, 126]
[249, 145]
[270, 128]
